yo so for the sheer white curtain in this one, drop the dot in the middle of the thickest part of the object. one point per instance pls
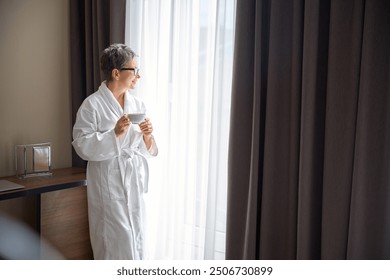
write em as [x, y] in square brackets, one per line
[185, 50]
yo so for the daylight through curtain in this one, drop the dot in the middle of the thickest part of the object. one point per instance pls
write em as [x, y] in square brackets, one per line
[185, 53]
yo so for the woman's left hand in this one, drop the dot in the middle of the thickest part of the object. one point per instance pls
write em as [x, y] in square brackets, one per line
[147, 130]
[146, 127]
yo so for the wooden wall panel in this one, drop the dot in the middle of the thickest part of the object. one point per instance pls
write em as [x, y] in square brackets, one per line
[64, 222]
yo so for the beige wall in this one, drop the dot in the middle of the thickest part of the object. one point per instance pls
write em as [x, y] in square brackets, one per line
[34, 79]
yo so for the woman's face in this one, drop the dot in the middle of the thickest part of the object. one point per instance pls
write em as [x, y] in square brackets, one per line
[129, 77]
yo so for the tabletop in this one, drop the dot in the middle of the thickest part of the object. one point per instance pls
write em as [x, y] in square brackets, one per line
[60, 179]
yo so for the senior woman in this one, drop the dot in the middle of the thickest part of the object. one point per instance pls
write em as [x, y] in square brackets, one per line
[116, 150]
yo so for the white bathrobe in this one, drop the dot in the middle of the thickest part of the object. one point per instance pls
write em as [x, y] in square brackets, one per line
[117, 174]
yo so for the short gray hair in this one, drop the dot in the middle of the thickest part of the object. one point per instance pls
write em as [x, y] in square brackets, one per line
[115, 56]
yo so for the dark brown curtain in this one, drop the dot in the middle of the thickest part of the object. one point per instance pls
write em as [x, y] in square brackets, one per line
[94, 25]
[309, 155]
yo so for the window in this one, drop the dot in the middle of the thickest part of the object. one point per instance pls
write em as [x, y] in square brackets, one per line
[185, 53]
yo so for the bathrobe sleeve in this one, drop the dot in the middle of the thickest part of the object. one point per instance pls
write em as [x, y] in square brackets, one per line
[91, 144]
[152, 152]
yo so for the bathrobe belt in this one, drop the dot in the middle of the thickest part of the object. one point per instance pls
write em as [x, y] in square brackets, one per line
[130, 170]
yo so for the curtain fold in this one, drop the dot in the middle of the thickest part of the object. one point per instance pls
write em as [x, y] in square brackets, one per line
[369, 225]
[242, 227]
[309, 126]
[342, 94]
[94, 25]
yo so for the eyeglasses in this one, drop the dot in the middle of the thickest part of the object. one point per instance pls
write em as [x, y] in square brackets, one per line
[136, 70]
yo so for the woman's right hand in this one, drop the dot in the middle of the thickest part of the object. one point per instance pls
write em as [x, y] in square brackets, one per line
[122, 125]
